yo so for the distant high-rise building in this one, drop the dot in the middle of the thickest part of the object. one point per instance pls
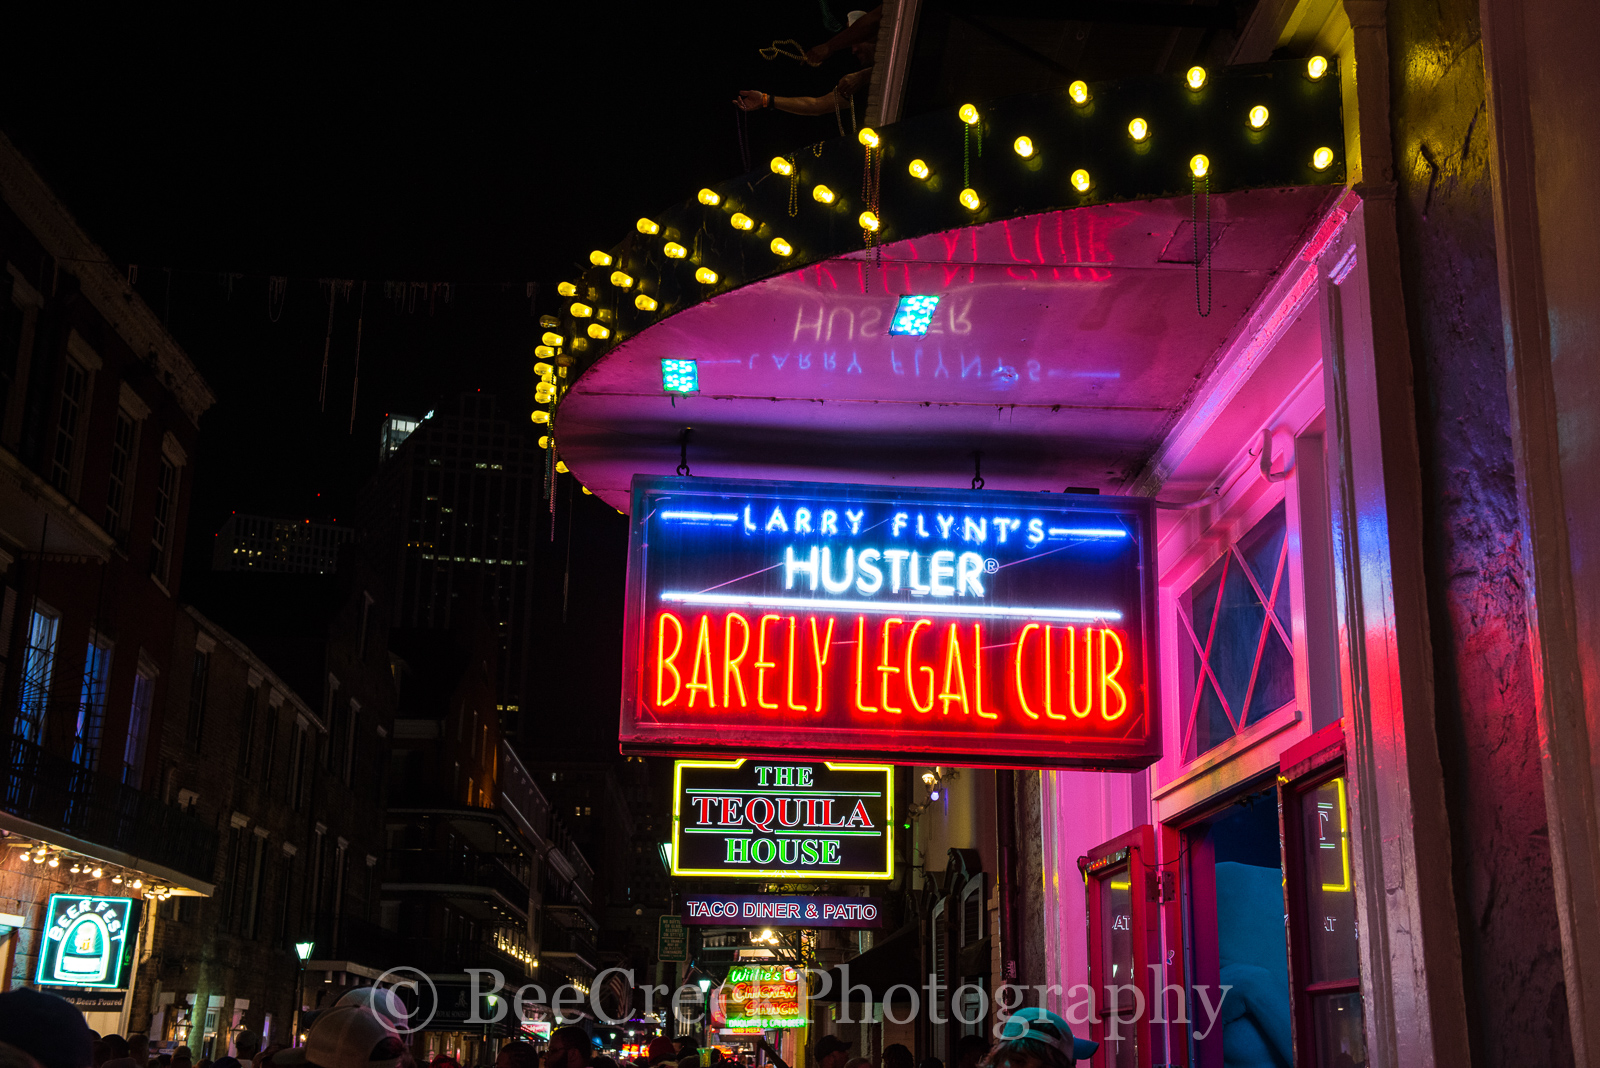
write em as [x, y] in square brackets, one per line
[288, 546]
[453, 514]
[395, 430]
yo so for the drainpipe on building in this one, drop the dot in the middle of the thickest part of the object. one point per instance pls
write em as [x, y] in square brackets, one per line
[1006, 817]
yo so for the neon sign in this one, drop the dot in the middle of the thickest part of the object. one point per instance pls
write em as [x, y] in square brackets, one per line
[85, 942]
[786, 910]
[982, 628]
[756, 819]
[761, 997]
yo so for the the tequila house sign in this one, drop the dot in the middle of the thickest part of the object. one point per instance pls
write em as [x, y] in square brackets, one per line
[985, 628]
[761, 819]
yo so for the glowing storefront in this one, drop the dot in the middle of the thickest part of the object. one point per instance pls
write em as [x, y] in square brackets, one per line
[1169, 288]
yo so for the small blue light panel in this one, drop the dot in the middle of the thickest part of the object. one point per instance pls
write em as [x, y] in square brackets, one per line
[680, 376]
[913, 315]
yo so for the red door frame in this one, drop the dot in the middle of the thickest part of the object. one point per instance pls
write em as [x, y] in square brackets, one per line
[1134, 853]
[1301, 768]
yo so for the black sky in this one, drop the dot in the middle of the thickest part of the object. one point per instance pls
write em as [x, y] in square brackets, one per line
[482, 146]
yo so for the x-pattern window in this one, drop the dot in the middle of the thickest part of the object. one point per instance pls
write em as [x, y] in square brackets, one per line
[1235, 623]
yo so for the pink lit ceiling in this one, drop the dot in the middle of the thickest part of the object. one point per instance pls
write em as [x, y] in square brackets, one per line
[1064, 347]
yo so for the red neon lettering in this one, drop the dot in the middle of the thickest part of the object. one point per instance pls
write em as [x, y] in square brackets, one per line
[705, 804]
[977, 672]
[789, 671]
[1108, 677]
[1022, 693]
[730, 664]
[1049, 685]
[819, 653]
[884, 670]
[664, 660]
[861, 663]
[702, 655]
[1088, 672]
[859, 813]
[911, 669]
[763, 665]
[953, 668]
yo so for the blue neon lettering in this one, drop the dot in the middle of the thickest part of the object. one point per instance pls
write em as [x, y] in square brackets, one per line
[1035, 532]
[968, 569]
[776, 521]
[855, 519]
[945, 523]
[871, 579]
[896, 557]
[978, 529]
[807, 567]
[1003, 526]
[922, 529]
[896, 525]
[828, 582]
[749, 525]
[802, 521]
[941, 565]
[830, 522]
[916, 583]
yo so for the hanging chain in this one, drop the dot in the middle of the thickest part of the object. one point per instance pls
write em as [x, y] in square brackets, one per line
[740, 126]
[977, 469]
[1201, 190]
[869, 188]
[683, 453]
[794, 188]
[966, 155]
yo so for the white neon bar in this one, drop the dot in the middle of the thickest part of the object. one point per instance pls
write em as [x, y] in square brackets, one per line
[1087, 532]
[703, 517]
[733, 600]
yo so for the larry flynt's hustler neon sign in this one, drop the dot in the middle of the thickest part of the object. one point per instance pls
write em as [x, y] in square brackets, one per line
[1006, 628]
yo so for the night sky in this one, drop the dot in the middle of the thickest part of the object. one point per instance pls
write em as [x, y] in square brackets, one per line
[486, 147]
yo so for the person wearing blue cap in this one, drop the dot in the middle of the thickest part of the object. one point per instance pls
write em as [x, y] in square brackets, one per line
[1038, 1038]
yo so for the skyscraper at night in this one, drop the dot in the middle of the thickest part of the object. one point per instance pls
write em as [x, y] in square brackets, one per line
[452, 513]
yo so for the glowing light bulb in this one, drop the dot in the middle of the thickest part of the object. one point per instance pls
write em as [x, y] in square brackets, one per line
[117, 879]
[741, 221]
[969, 114]
[600, 259]
[869, 137]
[970, 200]
[709, 198]
[55, 862]
[1079, 92]
[1322, 158]
[137, 883]
[781, 247]
[647, 226]
[544, 441]
[1316, 67]
[868, 221]
[1258, 117]
[587, 490]
[1023, 146]
[566, 289]
[1196, 77]
[644, 303]
[598, 332]
[540, 416]
[1080, 180]
[553, 340]
[621, 279]
[544, 352]
[822, 195]
[1138, 129]
[582, 311]
[543, 369]
[919, 169]
[1199, 166]
[561, 467]
[781, 166]
[705, 276]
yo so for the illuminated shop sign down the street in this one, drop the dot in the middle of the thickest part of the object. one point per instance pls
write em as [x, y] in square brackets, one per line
[972, 627]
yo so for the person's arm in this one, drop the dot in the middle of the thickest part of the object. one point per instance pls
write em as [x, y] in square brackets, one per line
[772, 1054]
[864, 27]
[755, 100]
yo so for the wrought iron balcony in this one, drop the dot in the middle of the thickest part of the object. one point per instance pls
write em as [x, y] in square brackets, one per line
[57, 794]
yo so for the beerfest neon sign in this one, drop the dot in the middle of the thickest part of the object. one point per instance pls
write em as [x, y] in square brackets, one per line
[986, 628]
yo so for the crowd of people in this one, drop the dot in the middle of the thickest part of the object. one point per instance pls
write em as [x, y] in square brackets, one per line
[364, 1029]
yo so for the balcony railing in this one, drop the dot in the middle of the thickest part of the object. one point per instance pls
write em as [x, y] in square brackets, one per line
[440, 866]
[52, 791]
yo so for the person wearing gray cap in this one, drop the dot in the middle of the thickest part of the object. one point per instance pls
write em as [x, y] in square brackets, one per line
[1038, 1038]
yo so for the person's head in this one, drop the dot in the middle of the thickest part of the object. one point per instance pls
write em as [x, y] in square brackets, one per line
[139, 1047]
[830, 1051]
[100, 1052]
[970, 1050]
[245, 1044]
[1038, 1038]
[48, 1028]
[897, 1056]
[183, 1055]
[568, 1048]
[12, 1057]
[118, 1046]
[382, 1001]
[265, 1056]
[346, 1036]
[517, 1054]
[661, 1049]
[205, 1062]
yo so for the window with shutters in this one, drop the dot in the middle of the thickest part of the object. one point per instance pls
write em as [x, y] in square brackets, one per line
[119, 486]
[161, 530]
[69, 426]
[92, 702]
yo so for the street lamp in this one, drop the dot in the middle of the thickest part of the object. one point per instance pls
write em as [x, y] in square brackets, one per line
[704, 983]
[303, 951]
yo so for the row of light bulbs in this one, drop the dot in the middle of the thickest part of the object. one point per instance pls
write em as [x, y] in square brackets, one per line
[52, 858]
[1139, 131]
